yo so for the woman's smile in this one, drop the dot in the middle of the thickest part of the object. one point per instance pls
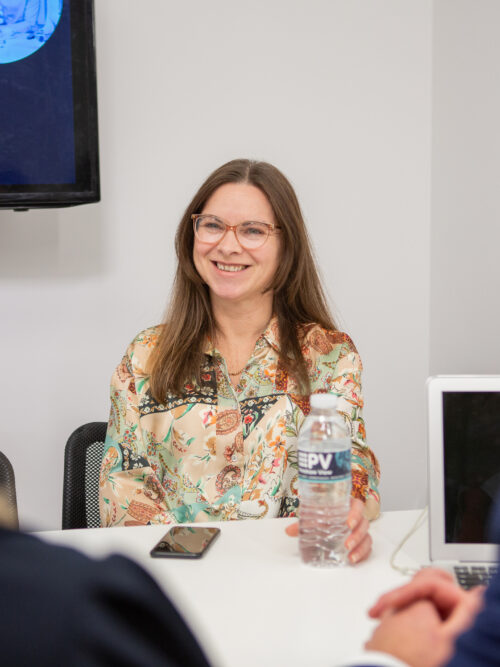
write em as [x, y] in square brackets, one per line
[230, 268]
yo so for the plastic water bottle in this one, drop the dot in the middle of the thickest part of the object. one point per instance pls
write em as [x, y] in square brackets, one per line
[324, 454]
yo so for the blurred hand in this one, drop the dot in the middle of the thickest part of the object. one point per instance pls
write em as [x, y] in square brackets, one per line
[413, 635]
[418, 636]
[358, 542]
[432, 584]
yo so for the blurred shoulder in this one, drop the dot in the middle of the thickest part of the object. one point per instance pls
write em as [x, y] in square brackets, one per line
[323, 341]
[135, 359]
[325, 348]
[144, 343]
[146, 340]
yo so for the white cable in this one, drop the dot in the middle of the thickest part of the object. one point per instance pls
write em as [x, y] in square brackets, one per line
[408, 570]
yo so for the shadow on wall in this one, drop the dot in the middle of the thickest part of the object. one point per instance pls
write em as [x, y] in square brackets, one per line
[52, 243]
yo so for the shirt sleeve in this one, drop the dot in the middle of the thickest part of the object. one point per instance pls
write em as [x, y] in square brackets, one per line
[130, 492]
[480, 645]
[371, 659]
[336, 367]
[290, 500]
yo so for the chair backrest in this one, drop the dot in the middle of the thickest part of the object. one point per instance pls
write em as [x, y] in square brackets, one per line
[8, 491]
[82, 463]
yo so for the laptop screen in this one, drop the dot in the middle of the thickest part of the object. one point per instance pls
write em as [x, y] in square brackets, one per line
[471, 435]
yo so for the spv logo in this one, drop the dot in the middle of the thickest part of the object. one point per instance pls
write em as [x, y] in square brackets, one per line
[311, 460]
[324, 466]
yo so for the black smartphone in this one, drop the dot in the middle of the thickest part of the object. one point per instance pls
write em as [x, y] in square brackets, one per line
[185, 542]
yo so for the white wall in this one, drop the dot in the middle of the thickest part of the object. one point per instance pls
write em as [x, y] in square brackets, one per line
[465, 317]
[337, 94]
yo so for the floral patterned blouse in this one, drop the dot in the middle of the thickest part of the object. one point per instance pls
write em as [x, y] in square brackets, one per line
[223, 452]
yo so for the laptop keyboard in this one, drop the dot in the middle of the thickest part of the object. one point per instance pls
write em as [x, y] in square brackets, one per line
[469, 576]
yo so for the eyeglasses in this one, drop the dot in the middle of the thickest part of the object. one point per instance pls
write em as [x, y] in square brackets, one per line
[250, 235]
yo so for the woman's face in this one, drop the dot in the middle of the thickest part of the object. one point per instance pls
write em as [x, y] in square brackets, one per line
[231, 272]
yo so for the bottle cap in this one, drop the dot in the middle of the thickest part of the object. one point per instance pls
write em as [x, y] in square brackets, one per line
[323, 401]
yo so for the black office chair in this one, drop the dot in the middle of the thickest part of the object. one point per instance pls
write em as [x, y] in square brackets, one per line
[82, 462]
[8, 490]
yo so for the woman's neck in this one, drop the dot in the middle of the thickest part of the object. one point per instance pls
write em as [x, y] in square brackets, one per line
[239, 326]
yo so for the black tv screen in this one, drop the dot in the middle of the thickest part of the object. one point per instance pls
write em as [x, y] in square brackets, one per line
[49, 154]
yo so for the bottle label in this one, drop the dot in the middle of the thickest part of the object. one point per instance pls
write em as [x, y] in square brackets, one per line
[324, 466]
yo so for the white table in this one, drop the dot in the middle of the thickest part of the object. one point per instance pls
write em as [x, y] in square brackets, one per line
[252, 603]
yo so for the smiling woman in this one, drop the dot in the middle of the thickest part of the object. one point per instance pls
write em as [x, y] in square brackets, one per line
[207, 407]
[237, 266]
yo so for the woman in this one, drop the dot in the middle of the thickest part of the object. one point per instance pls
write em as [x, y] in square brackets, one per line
[206, 408]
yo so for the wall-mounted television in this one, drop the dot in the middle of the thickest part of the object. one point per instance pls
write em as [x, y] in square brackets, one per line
[49, 153]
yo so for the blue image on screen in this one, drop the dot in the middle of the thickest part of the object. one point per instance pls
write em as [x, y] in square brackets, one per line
[25, 26]
[37, 140]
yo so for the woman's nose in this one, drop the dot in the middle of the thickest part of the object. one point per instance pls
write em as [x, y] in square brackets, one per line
[229, 242]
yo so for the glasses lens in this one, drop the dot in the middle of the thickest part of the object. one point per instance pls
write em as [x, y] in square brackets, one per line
[209, 228]
[252, 234]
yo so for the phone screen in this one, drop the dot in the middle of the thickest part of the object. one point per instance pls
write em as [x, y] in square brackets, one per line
[185, 542]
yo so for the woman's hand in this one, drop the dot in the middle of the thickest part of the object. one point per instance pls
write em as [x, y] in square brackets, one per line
[358, 542]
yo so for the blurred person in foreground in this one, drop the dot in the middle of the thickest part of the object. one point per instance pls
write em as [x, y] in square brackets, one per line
[59, 607]
[431, 622]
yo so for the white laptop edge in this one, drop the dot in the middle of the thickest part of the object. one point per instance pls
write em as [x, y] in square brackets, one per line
[439, 549]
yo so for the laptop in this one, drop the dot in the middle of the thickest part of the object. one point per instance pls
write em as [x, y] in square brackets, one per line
[464, 473]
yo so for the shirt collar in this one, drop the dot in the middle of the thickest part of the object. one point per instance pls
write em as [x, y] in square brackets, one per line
[209, 347]
[271, 334]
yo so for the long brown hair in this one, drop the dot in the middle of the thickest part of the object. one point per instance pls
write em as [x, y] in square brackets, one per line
[298, 296]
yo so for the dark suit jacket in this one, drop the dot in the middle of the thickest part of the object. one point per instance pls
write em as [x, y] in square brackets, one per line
[480, 646]
[59, 607]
